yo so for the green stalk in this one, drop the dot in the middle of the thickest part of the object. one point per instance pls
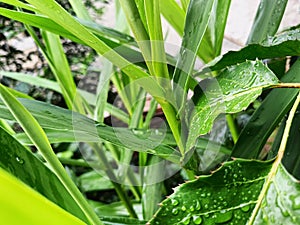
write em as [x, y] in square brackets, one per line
[232, 127]
[109, 172]
[39, 138]
[140, 33]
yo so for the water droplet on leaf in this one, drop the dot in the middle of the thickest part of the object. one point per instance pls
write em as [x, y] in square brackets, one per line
[19, 160]
[245, 208]
[175, 211]
[197, 220]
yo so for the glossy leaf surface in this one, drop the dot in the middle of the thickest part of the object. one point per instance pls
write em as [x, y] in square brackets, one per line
[229, 195]
[232, 91]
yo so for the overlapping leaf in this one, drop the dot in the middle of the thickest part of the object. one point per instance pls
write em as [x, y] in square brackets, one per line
[267, 117]
[34, 210]
[281, 45]
[232, 91]
[20, 162]
[229, 195]
[76, 127]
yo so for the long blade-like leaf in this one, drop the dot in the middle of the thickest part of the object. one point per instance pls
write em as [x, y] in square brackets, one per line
[39, 138]
[196, 22]
[20, 162]
[267, 20]
[76, 127]
[34, 210]
[211, 44]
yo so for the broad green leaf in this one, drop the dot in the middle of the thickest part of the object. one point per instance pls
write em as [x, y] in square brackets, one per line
[267, 20]
[20, 162]
[267, 117]
[230, 92]
[212, 41]
[281, 45]
[229, 196]
[52, 119]
[281, 204]
[39, 138]
[196, 22]
[22, 205]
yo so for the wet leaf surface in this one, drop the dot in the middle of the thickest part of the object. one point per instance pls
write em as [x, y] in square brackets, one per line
[232, 91]
[229, 195]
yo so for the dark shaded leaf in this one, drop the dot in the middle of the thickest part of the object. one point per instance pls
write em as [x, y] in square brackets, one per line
[267, 117]
[281, 45]
[20, 162]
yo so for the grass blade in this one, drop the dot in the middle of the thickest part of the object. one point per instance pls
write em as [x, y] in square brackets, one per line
[267, 20]
[41, 210]
[39, 138]
[195, 25]
[20, 162]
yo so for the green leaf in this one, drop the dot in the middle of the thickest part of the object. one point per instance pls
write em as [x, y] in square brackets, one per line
[267, 117]
[267, 20]
[77, 127]
[196, 22]
[229, 196]
[39, 138]
[173, 14]
[230, 92]
[281, 45]
[22, 205]
[20, 162]
[211, 44]
[281, 204]
[55, 12]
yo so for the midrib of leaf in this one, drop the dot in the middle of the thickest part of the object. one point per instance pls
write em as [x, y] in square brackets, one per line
[277, 161]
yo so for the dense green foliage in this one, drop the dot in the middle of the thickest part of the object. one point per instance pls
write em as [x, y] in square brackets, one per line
[114, 147]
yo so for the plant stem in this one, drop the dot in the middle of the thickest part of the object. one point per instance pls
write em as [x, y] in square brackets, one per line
[277, 161]
[286, 85]
[173, 122]
[232, 127]
[118, 187]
